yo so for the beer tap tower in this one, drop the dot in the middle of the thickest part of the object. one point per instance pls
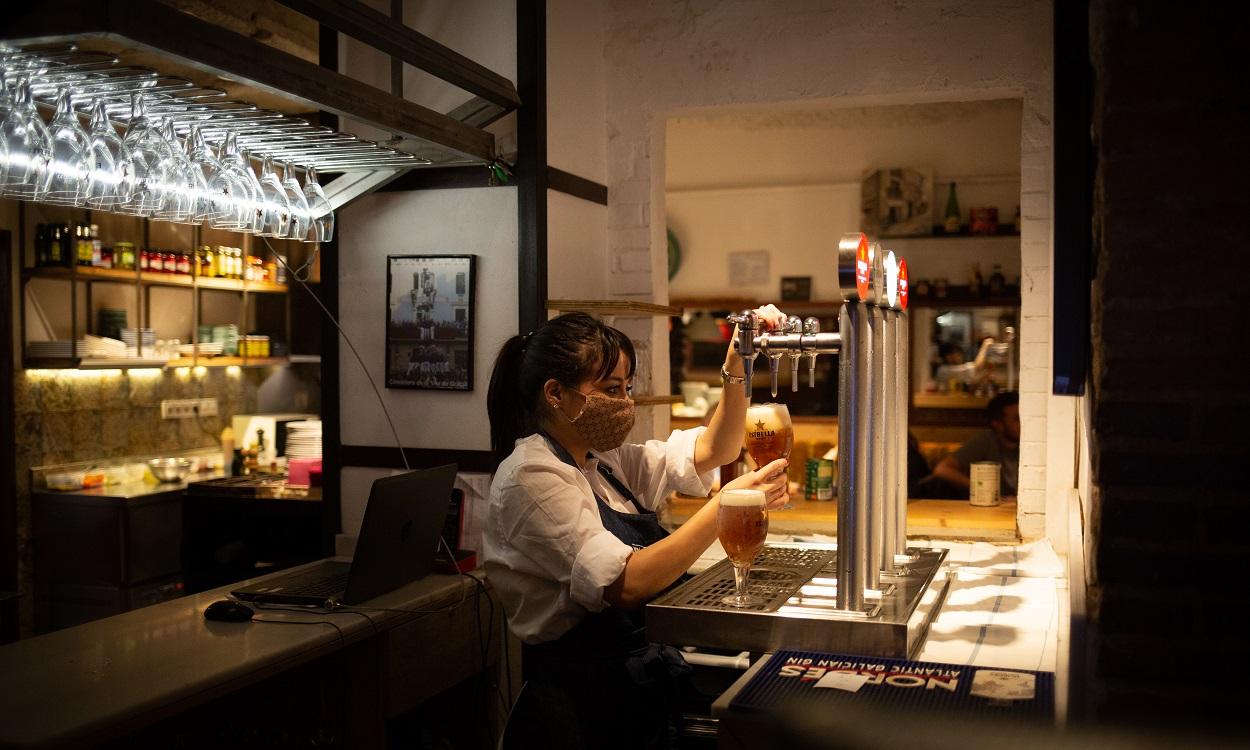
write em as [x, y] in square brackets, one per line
[889, 590]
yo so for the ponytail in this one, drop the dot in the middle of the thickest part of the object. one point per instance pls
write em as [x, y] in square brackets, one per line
[569, 348]
[509, 415]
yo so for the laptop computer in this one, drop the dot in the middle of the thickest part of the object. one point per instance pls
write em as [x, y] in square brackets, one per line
[398, 539]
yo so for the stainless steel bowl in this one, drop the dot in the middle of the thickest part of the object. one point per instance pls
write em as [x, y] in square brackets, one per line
[170, 469]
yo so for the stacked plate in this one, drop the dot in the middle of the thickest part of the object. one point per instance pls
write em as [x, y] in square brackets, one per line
[90, 346]
[303, 439]
[205, 350]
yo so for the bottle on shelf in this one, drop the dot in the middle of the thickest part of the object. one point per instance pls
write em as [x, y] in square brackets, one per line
[43, 250]
[974, 281]
[63, 245]
[952, 221]
[998, 282]
[209, 266]
[82, 244]
[97, 248]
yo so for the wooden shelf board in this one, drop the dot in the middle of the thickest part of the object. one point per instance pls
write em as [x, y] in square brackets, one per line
[613, 307]
[657, 400]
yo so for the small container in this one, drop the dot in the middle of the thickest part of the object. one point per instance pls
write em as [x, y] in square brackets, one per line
[169, 469]
[156, 261]
[182, 264]
[983, 220]
[819, 484]
[983, 486]
[124, 255]
[145, 260]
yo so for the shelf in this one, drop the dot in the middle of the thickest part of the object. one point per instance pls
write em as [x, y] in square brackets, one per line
[86, 273]
[656, 400]
[99, 363]
[963, 234]
[153, 278]
[613, 307]
[305, 359]
[229, 362]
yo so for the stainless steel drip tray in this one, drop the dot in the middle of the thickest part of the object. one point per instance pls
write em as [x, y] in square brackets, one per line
[798, 585]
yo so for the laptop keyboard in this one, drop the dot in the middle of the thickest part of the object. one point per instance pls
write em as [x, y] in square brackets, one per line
[317, 583]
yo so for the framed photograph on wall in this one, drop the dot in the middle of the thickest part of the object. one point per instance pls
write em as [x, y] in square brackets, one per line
[429, 322]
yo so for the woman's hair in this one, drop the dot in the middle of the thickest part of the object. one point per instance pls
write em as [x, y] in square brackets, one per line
[570, 349]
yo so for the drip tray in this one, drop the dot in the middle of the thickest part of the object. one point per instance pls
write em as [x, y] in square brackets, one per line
[797, 584]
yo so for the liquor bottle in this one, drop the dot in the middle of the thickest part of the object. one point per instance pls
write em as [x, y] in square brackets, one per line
[82, 244]
[93, 238]
[951, 224]
[43, 250]
[63, 238]
[998, 282]
[974, 281]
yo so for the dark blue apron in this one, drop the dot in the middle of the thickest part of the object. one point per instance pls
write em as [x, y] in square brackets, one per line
[623, 689]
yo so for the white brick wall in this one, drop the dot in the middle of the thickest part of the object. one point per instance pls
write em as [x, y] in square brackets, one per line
[668, 57]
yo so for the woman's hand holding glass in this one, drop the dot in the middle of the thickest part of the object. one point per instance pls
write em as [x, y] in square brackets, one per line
[770, 479]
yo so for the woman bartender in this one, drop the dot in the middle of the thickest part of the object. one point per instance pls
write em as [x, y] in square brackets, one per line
[571, 541]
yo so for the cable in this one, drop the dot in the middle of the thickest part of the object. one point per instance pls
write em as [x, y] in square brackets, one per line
[483, 646]
[350, 345]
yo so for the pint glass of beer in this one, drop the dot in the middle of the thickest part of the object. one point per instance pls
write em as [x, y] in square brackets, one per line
[742, 524]
[769, 434]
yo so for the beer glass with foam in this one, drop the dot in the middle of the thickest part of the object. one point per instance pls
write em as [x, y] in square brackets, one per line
[742, 525]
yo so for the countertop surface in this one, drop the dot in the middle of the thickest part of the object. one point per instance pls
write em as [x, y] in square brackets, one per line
[111, 673]
[130, 490]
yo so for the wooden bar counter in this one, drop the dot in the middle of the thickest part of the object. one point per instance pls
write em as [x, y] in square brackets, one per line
[164, 676]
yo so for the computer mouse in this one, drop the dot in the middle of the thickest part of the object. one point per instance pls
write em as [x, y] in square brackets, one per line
[228, 610]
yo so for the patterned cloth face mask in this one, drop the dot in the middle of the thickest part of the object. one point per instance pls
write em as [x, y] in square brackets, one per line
[604, 422]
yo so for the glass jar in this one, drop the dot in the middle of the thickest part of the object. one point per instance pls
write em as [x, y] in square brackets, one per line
[124, 255]
[156, 261]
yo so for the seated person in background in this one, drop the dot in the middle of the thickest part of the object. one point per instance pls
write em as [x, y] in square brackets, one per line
[1000, 443]
[954, 367]
[917, 465]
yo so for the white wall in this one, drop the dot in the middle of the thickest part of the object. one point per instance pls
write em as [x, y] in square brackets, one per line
[479, 221]
[577, 256]
[665, 59]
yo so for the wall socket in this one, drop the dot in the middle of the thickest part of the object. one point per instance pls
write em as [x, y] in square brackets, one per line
[185, 408]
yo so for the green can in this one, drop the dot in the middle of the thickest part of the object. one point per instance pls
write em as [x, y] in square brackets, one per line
[819, 485]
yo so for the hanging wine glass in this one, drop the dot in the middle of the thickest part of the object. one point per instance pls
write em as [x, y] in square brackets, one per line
[148, 155]
[301, 218]
[322, 226]
[27, 142]
[178, 203]
[108, 182]
[277, 206]
[251, 214]
[68, 165]
[228, 196]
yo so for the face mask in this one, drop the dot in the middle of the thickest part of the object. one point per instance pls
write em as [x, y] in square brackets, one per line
[604, 421]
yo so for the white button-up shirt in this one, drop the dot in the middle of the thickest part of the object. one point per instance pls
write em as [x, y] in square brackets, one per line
[544, 547]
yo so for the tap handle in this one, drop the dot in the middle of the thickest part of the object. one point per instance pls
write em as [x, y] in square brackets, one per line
[811, 326]
[748, 325]
[774, 362]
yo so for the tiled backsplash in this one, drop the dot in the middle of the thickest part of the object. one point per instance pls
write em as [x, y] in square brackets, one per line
[83, 415]
[68, 415]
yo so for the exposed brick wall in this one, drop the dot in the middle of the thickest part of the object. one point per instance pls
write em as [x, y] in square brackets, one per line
[1171, 441]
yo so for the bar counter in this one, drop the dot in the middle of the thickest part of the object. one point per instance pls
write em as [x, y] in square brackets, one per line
[115, 677]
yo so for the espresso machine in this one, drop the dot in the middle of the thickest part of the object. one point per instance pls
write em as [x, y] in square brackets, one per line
[869, 593]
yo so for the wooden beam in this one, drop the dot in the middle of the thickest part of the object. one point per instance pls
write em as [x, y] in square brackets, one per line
[152, 26]
[375, 29]
[531, 166]
[578, 187]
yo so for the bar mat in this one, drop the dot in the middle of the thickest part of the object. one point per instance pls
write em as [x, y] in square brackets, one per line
[835, 679]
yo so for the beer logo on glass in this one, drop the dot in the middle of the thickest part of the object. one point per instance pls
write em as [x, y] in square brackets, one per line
[863, 271]
[902, 283]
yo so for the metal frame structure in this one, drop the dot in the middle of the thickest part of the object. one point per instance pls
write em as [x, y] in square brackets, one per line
[422, 137]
